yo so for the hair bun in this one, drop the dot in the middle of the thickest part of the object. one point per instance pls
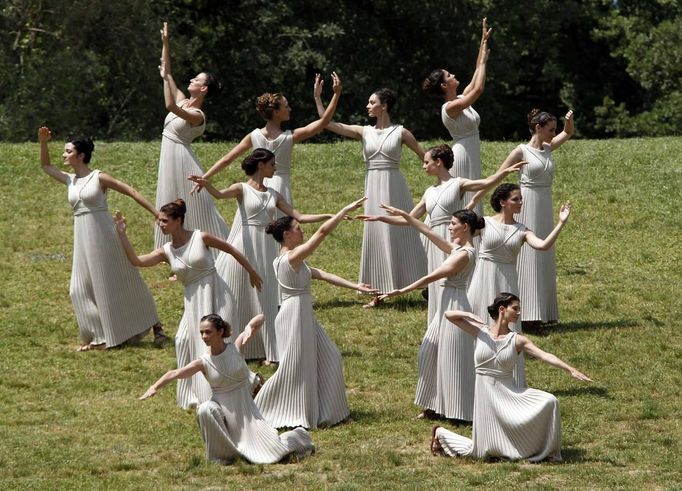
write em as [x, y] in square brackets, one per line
[533, 112]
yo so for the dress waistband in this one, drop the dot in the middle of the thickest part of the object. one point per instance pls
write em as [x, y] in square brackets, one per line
[464, 136]
[87, 211]
[231, 388]
[527, 183]
[253, 223]
[201, 275]
[173, 137]
[491, 372]
[462, 284]
[487, 256]
[382, 165]
[294, 293]
[440, 221]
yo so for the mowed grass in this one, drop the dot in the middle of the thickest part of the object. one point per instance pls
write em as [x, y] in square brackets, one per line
[72, 420]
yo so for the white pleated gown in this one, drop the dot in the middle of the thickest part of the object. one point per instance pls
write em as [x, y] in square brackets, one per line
[308, 388]
[537, 269]
[111, 301]
[283, 148]
[230, 423]
[496, 273]
[509, 422]
[441, 202]
[392, 257]
[466, 146]
[205, 293]
[255, 212]
[176, 162]
[446, 355]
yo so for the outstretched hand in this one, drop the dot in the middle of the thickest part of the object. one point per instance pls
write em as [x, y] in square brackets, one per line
[565, 212]
[120, 222]
[199, 181]
[392, 210]
[151, 392]
[368, 218]
[366, 288]
[515, 167]
[44, 134]
[355, 204]
[578, 375]
[392, 293]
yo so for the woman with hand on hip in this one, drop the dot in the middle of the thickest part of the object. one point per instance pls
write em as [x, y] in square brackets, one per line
[205, 292]
[110, 299]
[184, 123]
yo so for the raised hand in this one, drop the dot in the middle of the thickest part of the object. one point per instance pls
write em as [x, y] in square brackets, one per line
[485, 30]
[44, 134]
[336, 83]
[199, 181]
[120, 222]
[515, 167]
[565, 212]
[355, 204]
[317, 88]
[568, 122]
[164, 33]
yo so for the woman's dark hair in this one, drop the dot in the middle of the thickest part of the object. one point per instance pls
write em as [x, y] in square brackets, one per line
[218, 324]
[277, 228]
[268, 103]
[386, 96]
[214, 87]
[469, 217]
[83, 145]
[175, 209]
[444, 153]
[536, 116]
[250, 163]
[501, 193]
[432, 84]
[504, 299]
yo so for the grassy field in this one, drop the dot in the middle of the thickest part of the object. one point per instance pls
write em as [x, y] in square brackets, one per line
[72, 420]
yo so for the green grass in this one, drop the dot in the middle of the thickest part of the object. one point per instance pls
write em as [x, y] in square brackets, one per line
[72, 420]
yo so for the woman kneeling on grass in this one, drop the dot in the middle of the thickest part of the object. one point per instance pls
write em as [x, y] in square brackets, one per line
[231, 425]
[509, 422]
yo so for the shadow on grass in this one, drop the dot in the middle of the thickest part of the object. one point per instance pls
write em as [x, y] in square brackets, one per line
[584, 390]
[577, 326]
[573, 455]
[402, 304]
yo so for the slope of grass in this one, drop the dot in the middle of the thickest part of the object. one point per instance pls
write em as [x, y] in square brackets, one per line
[72, 420]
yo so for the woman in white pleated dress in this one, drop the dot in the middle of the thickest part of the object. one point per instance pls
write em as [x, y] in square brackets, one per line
[258, 204]
[501, 240]
[204, 291]
[439, 203]
[509, 422]
[275, 110]
[308, 388]
[537, 269]
[391, 257]
[460, 118]
[230, 423]
[184, 123]
[111, 301]
[445, 387]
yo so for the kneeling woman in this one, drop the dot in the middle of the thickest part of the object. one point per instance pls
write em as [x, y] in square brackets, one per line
[230, 423]
[509, 422]
[308, 388]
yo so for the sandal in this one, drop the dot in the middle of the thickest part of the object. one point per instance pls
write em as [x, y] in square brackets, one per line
[436, 447]
[92, 347]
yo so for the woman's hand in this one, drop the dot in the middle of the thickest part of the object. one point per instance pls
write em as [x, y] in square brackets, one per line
[565, 212]
[366, 288]
[355, 204]
[568, 122]
[255, 279]
[317, 88]
[578, 375]
[120, 222]
[336, 83]
[485, 30]
[515, 167]
[393, 293]
[368, 218]
[200, 182]
[151, 392]
[164, 33]
[44, 134]
[392, 210]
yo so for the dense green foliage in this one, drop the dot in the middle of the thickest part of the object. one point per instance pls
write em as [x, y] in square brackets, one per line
[91, 65]
[71, 420]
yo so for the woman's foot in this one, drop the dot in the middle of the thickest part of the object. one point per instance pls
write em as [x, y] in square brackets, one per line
[427, 414]
[160, 338]
[91, 347]
[436, 447]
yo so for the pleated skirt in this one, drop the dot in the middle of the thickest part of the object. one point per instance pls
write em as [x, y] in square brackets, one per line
[111, 301]
[308, 388]
[392, 257]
